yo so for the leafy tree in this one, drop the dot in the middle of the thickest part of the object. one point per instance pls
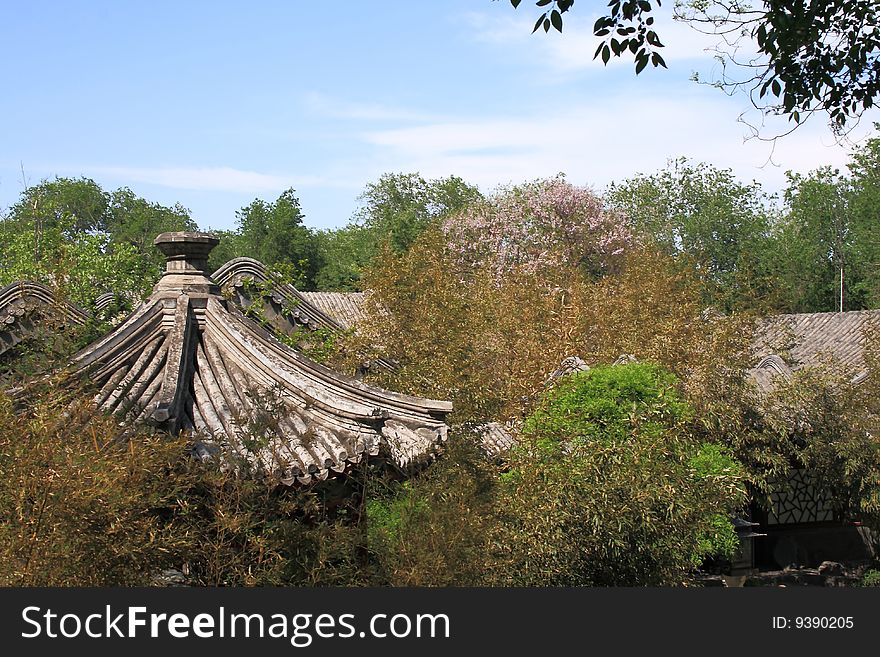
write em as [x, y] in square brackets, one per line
[864, 208]
[344, 254]
[398, 207]
[489, 342]
[811, 56]
[704, 214]
[81, 266]
[77, 204]
[230, 247]
[83, 241]
[814, 242]
[395, 210]
[434, 529]
[136, 221]
[274, 234]
[610, 489]
[537, 225]
[829, 229]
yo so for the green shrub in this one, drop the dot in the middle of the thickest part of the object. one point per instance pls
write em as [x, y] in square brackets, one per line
[609, 403]
[611, 488]
[871, 578]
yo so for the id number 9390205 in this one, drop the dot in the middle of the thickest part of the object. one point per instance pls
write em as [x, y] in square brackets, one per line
[813, 622]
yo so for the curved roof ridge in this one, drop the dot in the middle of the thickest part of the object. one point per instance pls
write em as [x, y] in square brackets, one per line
[290, 300]
[19, 301]
[187, 360]
[31, 290]
[776, 363]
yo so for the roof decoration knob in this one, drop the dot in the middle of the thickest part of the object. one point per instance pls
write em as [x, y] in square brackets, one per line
[186, 253]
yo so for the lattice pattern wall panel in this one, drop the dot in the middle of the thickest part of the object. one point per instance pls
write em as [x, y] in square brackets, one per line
[798, 502]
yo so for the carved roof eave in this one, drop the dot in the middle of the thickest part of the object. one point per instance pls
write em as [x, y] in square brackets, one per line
[20, 300]
[238, 270]
[285, 308]
[185, 360]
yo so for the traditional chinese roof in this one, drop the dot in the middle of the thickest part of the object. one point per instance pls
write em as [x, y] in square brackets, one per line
[333, 310]
[188, 360]
[787, 343]
[24, 305]
[347, 308]
[496, 439]
[252, 286]
[284, 306]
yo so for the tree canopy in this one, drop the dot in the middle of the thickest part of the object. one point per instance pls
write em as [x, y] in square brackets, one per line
[703, 213]
[273, 233]
[792, 57]
[394, 211]
[536, 225]
[71, 234]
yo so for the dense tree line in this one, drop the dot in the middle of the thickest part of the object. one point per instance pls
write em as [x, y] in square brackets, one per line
[752, 250]
[74, 236]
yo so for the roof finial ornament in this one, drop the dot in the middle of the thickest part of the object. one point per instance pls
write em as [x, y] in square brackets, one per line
[186, 262]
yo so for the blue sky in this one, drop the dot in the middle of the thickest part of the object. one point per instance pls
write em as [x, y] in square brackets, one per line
[213, 104]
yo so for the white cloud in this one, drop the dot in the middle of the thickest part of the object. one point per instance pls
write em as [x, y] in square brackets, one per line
[319, 103]
[224, 179]
[602, 142]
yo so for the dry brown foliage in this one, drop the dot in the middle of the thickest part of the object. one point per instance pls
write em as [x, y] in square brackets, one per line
[83, 505]
[490, 345]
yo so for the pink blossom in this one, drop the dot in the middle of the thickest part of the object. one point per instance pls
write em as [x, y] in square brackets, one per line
[541, 224]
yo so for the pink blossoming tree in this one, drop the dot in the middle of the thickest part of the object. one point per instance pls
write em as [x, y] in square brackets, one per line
[537, 225]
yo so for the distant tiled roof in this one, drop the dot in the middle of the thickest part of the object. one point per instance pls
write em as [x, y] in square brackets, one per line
[347, 308]
[786, 343]
[496, 439]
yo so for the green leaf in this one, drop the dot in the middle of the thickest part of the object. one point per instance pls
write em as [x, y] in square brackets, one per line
[515, 3]
[538, 24]
[606, 53]
[641, 63]
[653, 39]
[556, 20]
